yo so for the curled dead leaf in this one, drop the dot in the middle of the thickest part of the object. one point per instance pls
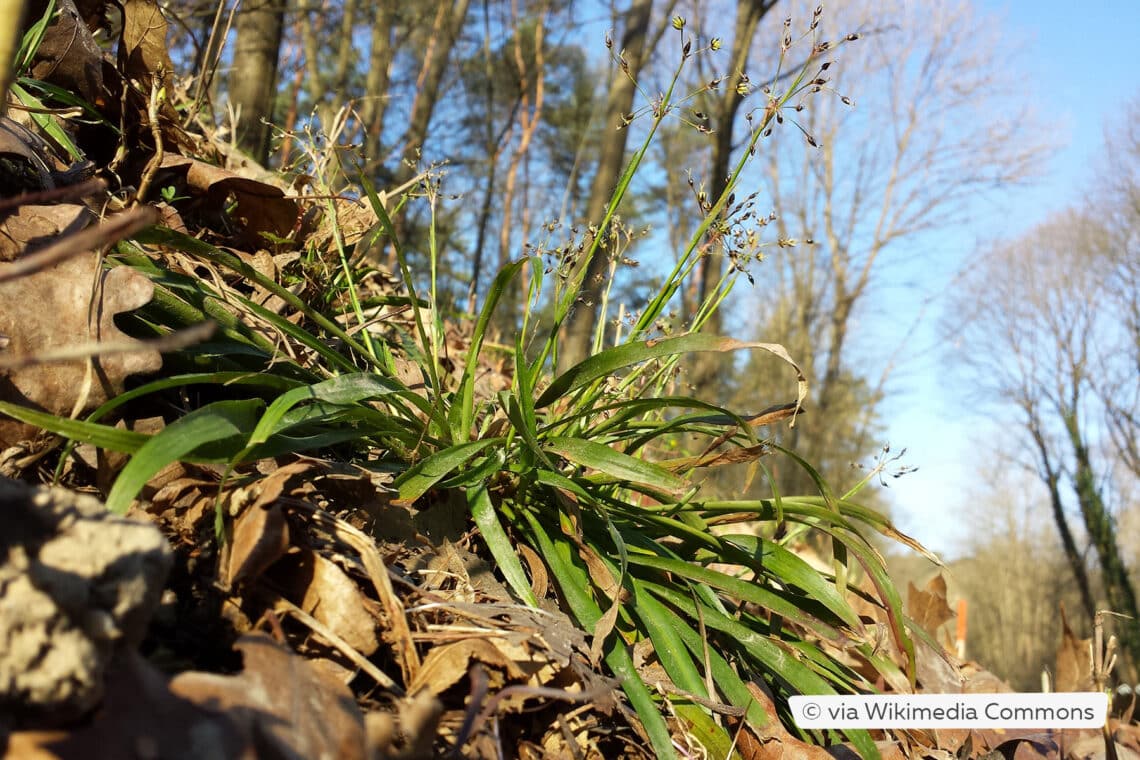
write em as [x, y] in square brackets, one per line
[260, 207]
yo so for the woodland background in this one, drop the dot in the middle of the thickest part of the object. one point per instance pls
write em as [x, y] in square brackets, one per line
[526, 111]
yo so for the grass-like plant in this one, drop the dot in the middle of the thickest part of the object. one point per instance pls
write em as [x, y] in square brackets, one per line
[583, 465]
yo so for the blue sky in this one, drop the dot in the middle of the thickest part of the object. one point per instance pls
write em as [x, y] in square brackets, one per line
[1082, 61]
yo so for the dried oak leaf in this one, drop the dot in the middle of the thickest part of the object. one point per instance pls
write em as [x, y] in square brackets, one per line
[261, 207]
[1074, 660]
[145, 57]
[322, 589]
[145, 54]
[531, 646]
[407, 734]
[31, 226]
[70, 304]
[938, 670]
[291, 709]
[260, 533]
[260, 538]
[774, 741]
[928, 606]
[446, 664]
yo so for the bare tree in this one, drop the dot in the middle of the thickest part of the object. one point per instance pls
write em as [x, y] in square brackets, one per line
[1117, 201]
[853, 188]
[1038, 338]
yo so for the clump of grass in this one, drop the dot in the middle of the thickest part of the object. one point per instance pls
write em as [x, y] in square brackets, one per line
[580, 465]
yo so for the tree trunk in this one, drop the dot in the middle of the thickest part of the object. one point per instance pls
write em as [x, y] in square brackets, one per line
[707, 366]
[578, 336]
[1052, 481]
[376, 83]
[1102, 532]
[253, 79]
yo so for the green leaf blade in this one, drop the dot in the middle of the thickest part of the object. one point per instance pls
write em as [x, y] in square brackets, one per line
[222, 426]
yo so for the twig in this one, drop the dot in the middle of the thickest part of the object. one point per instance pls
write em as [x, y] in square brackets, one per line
[180, 339]
[281, 604]
[154, 103]
[108, 231]
[74, 192]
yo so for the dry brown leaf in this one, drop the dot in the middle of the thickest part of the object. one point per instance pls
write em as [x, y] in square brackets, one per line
[1091, 746]
[260, 533]
[774, 742]
[31, 164]
[937, 670]
[32, 226]
[540, 578]
[607, 584]
[929, 607]
[409, 733]
[145, 53]
[261, 207]
[717, 459]
[1074, 660]
[69, 55]
[50, 309]
[292, 709]
[260, 538]
[319, 587]
[447, 664]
